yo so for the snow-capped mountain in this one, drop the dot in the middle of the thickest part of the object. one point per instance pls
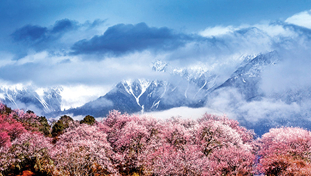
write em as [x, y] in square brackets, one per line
[189, 87]
[194, 87]
[248, 75]
[138, 96]
[41, 100]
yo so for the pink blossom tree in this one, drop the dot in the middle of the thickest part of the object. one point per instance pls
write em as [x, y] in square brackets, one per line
[4, 109]
[10, 129]
[211, 145]
[133, 138]
[5, 139]
[126, 145]
[28, 151]
[83, 150]
[19, 120]
[208, 146]
[246, 135]
[226, 148]
[230, 161]
[285, 151]
[169, 160]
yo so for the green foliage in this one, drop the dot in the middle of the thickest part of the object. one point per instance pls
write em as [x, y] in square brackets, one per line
[5, 110]
[58, 128]
[61, 125]
[45, 128]
[66, 119]
[30, 112]
[8, 110]
[90, 120]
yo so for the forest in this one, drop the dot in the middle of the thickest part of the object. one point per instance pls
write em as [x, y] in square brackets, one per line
[123, 144]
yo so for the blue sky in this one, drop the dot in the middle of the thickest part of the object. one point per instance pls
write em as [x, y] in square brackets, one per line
[185, 15]
[84, 44]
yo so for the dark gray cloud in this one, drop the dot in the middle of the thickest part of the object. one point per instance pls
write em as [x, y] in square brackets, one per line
[50, 38]
[95, 23]
[64, 25]
[121, 39]
[30, 33]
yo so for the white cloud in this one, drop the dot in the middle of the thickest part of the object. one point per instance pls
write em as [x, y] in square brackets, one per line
[271, 29]
[33, 58]
[217, 31]
[183, 112]
[292, 73]
[6, 59]
[256, 110]
[14, 86]
[231, 102]
[2, 96]
[75, 96]
[301, 19]
[276, 30]
[43, 69]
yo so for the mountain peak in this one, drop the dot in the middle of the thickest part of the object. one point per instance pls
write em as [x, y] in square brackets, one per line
[159, 66]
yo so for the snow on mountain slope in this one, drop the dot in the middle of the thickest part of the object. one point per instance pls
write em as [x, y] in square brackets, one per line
[136, 89]
[26, 97]
[242, 97]
[183, 87]
[142, 95]
[187, 87]
[45, 101]
[247, 77]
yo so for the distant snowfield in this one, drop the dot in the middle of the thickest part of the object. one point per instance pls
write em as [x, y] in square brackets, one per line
[183, 112]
